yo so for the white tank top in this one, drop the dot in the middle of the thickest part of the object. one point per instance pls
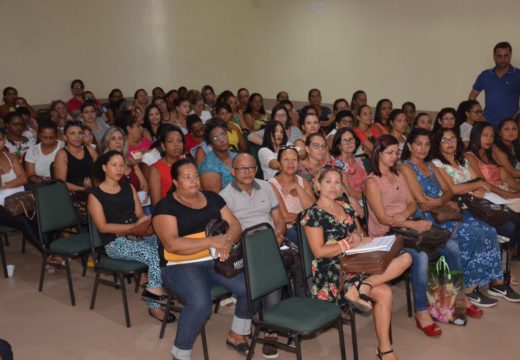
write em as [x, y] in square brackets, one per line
[9, 176]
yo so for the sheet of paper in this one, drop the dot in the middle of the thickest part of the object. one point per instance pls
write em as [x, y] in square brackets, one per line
[496, 199]
[382, 243]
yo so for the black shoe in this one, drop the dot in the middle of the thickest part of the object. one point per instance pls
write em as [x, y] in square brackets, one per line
[504, 291]
[148, 296]
[169, 317]
[270, 351]
[480, 300]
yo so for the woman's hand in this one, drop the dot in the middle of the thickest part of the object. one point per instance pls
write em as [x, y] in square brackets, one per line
[479, 193]
[223, 245]
[453, 205]
[422, 225]
[144, 219]
[290, 187]
[398, 219]
[484, 185]
[87, 182]
[354, 240]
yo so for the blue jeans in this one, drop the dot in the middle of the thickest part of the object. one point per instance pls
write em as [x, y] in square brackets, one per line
[420, 271]
[192, 283]
[511, 229]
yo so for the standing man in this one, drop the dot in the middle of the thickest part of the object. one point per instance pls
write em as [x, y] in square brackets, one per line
[501, 85]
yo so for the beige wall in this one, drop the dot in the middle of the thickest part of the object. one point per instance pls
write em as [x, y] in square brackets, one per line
[427, 52]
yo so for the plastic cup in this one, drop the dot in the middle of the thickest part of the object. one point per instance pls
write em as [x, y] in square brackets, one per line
[10, 270]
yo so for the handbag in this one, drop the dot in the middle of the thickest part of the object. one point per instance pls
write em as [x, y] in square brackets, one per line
[428, 241]
[445, 213]
[374, 262]
[21, 203]
[445, 293]
[138, 231]
[234, 264]
[486, 211]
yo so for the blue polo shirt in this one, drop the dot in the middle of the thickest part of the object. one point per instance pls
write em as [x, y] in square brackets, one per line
[502, 94]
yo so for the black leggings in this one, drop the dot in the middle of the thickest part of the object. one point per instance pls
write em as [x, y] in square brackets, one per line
[22, 223]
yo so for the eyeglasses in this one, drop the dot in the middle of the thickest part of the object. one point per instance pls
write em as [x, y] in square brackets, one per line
[246, 169]
[348, 141]
[476, 111]
[281, 115]
[317, 146]
[219, 138]
[77, 87]
[451, 139]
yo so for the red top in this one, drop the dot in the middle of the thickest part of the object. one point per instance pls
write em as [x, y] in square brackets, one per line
[376, 131]
[190, 143]
[166, 177]
[132, 179]
[73, 105]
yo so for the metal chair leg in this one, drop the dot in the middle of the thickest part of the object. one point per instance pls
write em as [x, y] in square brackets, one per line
[125, 302]
[204, 342]
[42, 271]
[94, 291]
[297, 342]
[165, 318]
[69, 280]
[353, 330]
[253, 343]
[341, 339]
[24, 241]
[217, 306]
[7, 240]
[2, 256]
[137, 277]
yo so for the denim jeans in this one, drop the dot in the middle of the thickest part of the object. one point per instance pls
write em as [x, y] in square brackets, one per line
[420, 271]
[511, 229]
[192, 283]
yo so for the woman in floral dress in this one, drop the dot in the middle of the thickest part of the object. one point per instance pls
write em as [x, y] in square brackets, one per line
[331, 228]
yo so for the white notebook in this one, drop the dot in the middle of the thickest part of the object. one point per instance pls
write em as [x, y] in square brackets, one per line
[382, 243]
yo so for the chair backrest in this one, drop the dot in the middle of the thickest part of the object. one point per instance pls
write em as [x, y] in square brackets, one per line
[306, 254]
[95, 239]
[54, 208]
[263, 263]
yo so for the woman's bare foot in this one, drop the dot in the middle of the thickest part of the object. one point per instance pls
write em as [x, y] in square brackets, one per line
[157, 291]
[424, 318]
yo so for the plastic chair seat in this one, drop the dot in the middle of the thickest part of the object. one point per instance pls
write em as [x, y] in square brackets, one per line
[72, 245]
[304, 315]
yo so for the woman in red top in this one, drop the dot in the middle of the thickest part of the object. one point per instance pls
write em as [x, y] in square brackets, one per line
[160, 179]
[366, 132]
[195, 134]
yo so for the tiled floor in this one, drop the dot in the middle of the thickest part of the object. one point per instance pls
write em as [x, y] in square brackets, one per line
[45, 326]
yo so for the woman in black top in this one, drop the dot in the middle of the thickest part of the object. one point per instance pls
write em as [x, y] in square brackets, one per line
[73, 164]
[115, 209]
[180, 220]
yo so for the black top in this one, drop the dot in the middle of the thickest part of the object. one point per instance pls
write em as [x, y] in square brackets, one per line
[118, 208]
[189, 221]
[78, 170]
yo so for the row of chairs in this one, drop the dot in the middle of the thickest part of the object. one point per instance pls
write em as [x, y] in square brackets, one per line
[264, 270]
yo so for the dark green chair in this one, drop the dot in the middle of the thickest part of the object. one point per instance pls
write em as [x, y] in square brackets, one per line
[5, 231]
[55, 213]
[118, 269]
[307, 257]
[265, 273]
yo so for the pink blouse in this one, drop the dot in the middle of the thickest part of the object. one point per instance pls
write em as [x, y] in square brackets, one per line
[393, 197]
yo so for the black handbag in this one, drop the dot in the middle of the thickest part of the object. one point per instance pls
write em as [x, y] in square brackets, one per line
[486, 211]
[428, 241]
[234, 264]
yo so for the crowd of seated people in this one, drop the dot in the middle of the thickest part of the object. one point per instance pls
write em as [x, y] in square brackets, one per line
[181, 157]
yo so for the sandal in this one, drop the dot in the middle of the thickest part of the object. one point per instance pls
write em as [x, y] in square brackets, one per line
[381, 354]
[354, 298]
[242, 348]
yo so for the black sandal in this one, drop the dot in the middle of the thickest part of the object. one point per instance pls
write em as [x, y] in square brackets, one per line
[242, 348]
[353, 297]
[362, 296]
[381, 354]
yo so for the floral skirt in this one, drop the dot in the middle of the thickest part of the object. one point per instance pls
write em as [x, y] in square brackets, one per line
[326, 281]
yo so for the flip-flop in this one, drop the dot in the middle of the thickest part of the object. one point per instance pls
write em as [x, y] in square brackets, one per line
[170, 317]
[242, 348]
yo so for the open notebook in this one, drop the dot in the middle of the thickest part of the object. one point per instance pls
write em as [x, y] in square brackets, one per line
[382, 243]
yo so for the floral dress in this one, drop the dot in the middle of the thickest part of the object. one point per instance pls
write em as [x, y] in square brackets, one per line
[478, 243]
[326, 271]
